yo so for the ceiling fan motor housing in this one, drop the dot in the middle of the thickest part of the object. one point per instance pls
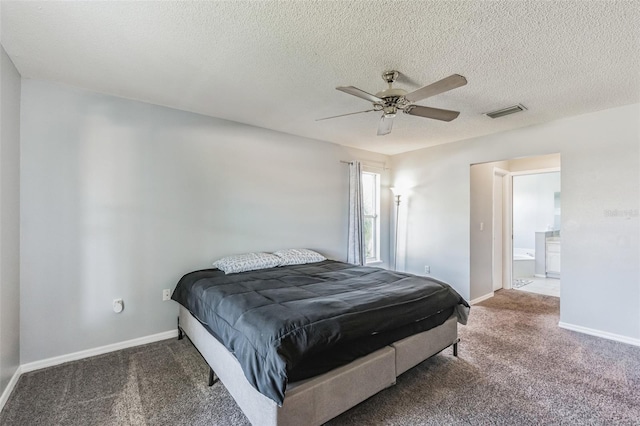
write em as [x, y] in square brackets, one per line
[391, 93]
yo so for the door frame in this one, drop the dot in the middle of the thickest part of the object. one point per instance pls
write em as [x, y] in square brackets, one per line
[504, 247]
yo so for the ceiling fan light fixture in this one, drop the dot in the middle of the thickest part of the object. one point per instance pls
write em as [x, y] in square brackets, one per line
[506, 111]
[389, 111]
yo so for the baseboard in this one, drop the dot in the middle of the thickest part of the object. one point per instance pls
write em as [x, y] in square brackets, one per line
[12, 384]
[540, 275]
[482, 298]
[50, 362]
[598, 333]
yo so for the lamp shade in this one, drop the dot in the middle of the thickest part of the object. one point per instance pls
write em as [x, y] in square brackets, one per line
[398, 191]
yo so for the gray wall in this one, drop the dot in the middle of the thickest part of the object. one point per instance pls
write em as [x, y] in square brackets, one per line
[120, 198]
[600, 242]
[9, 219]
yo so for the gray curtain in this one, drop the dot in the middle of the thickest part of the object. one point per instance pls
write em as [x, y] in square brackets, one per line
[356, 253]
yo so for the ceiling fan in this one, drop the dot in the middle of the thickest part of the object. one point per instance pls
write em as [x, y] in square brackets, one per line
[391, 100]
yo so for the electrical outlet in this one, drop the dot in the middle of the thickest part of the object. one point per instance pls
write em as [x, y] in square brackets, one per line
[166, 294]
[427, 269]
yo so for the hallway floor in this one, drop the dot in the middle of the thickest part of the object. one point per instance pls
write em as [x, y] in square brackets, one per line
[546, 286]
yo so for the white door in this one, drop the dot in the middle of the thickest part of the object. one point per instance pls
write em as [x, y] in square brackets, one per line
[498, 227]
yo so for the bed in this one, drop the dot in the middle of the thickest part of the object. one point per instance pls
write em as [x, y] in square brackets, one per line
[300, 344]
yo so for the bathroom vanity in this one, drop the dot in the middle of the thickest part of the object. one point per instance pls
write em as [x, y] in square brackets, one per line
[552, 257]
[548, 254]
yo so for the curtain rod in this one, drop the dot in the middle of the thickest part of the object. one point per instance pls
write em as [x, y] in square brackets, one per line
[366, 164]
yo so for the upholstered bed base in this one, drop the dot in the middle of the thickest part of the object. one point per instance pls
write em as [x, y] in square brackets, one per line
[321, 398]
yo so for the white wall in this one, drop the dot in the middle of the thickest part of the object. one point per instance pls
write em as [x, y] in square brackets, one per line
[533, 207]
[600, 175]
[529, 164]
[121, 198]
[9, 220]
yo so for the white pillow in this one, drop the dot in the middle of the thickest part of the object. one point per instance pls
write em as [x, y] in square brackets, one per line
[298, 256]
[246, 262]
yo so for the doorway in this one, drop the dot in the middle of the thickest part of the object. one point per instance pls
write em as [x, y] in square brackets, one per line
[490, 226]
[536, 219]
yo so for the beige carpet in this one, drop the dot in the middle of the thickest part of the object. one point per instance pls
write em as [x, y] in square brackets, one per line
[516, 367]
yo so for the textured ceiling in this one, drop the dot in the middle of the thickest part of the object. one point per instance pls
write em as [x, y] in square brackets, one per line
[276, 64]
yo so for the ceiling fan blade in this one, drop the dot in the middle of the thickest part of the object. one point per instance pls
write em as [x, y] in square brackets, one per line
[386, 123]
[360, 93]
[435, 113]
[342, 115]
[436, 88]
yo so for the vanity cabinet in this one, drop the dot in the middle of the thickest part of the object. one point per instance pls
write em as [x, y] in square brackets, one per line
[552, 258]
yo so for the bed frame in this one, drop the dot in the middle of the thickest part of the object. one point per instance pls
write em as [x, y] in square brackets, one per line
[320, 398]
[317, 400]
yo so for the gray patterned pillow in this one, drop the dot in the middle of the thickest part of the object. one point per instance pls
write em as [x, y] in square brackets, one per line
[246, 262]
[298, 256]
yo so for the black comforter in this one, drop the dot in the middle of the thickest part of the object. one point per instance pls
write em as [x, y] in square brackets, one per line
[274, 319]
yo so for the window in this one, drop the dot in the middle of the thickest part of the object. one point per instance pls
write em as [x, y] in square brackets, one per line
[371, 204]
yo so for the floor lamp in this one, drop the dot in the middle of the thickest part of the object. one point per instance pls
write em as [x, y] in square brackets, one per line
[397, 194]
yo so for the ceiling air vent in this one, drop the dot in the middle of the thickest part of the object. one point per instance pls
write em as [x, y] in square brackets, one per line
[506, 111]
